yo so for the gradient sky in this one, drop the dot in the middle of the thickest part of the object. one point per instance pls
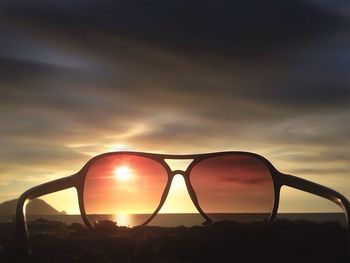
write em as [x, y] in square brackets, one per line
[78, 78]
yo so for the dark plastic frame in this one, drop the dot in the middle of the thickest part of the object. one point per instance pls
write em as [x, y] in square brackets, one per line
[77, 180]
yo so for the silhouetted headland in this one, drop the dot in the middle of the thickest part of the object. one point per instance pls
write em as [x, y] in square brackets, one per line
[35, 207]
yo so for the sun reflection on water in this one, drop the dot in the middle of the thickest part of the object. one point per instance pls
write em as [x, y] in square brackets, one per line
[123, 219]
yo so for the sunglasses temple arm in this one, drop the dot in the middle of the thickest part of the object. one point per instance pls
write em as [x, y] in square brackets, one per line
[22, 244]
[322, 191]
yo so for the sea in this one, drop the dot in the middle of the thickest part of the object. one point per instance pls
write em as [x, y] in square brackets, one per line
[173, 220]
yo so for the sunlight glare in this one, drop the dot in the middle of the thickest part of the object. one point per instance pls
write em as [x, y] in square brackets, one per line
[122, 219]
[122, 173]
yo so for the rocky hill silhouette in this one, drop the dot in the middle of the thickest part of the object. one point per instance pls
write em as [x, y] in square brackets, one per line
[35, 207]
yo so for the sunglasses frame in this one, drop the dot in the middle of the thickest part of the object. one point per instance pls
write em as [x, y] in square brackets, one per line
[77, 180]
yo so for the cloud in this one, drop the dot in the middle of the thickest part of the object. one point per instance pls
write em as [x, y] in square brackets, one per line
[259, 180]
[79, 79]
[216, 25]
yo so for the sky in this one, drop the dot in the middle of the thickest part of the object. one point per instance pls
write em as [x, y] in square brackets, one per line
[81, 78]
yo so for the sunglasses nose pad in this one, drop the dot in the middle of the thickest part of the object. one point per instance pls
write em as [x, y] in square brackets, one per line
[193, 197]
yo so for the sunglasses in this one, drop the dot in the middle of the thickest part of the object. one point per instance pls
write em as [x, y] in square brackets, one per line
[222, 183]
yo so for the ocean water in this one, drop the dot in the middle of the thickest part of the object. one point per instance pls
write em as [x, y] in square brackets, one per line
[170, 220]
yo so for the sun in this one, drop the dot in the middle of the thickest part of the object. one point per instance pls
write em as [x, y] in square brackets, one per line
[122, 173]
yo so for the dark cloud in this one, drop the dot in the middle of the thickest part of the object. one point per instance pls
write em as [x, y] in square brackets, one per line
[32, 155]
[246, 180]
[250, 28]
[330, 156]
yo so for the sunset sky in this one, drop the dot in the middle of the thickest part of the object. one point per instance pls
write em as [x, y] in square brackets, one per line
[79, 78]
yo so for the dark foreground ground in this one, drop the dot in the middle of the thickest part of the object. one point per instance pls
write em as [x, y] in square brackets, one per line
[279, 241]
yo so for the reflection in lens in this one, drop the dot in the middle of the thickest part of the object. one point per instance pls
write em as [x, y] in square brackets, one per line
[123, 185]
[237, 187]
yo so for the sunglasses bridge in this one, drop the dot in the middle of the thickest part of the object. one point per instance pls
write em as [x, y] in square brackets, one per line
[190, 191]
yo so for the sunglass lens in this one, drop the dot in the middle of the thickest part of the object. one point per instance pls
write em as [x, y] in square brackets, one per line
[234, 187]
[124, 188]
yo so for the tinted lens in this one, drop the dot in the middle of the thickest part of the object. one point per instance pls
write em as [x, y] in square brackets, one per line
[239, 187]
[123, 186]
